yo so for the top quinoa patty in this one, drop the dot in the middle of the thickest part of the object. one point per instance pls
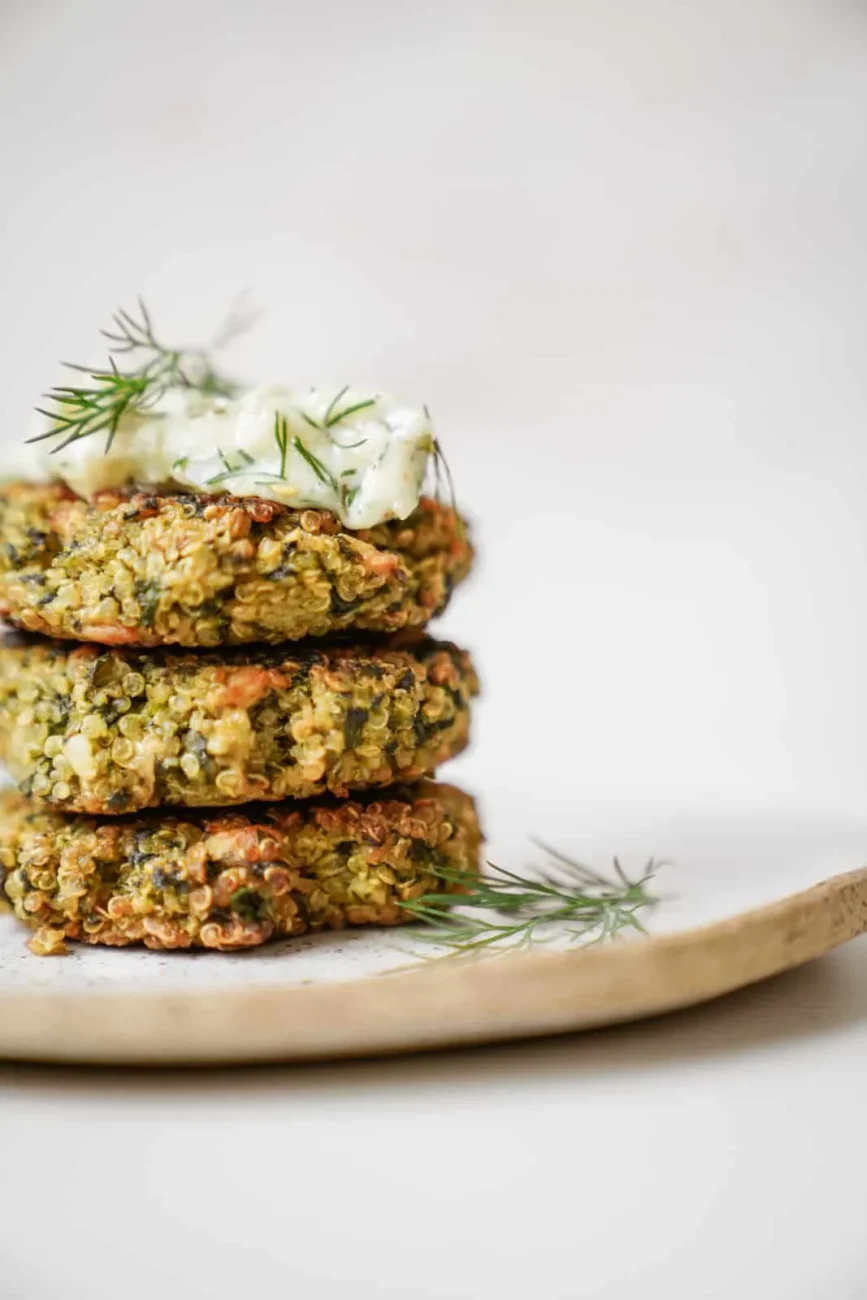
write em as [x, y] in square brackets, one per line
[169, 569]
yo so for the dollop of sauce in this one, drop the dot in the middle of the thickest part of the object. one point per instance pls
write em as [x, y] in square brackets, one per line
[364, 457]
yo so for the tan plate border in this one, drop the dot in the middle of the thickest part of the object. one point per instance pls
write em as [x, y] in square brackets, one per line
[443, 1003]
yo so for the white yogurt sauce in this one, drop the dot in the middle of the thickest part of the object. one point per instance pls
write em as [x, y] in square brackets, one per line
[361, 456]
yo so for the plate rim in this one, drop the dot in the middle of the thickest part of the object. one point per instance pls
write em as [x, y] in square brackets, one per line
[445, 1002]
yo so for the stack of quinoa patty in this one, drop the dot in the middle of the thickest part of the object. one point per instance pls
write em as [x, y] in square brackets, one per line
[221, 714]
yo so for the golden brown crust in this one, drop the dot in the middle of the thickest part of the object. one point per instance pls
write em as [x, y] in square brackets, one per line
[108, 731]
[230, 880]
[170, 569]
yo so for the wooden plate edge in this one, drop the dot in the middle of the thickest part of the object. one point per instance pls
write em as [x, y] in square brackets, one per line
[443, 1003]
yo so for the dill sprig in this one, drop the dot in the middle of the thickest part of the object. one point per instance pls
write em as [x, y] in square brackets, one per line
[281, 437]
[507, 910]
[80, 410]
[441, 462]
[324, 475]
[442, 470]
[332, 404]
[334, 417]
[99, 403]
[343, 491]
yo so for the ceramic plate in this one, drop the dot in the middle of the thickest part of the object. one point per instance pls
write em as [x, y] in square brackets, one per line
[744, 893]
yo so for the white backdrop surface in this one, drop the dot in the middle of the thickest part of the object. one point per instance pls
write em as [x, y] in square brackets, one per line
[619, 249]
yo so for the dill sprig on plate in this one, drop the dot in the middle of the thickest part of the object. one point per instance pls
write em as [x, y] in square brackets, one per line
[79, 410]
[505, 910]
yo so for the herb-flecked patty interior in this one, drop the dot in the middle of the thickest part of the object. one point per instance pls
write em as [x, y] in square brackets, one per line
[108, 731]
[231, 879]
[163, 568]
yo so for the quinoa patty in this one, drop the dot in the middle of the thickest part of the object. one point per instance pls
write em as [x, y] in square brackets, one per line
[89, 729]
[230, 880]
[168, 569]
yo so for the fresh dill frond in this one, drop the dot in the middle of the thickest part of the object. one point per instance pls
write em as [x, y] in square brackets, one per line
[131, 335]
[80, 410]
[240, 318]
[343, 491]
[440, 462]
[210, 383]
[350, 410]
[252, 472]
[506, 910]
[109, 393]
[331, 405]
[229, 470]
[332, 416]
[281, 437]
[442, 471]
[324, 475]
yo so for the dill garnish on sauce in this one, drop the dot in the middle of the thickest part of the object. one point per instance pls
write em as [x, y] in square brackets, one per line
[79, 410]
[141, 369]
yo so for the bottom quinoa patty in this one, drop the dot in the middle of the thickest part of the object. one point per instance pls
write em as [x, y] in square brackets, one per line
[107, 731]
[230, 880]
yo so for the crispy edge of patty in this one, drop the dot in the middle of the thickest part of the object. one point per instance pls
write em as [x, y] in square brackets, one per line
[108, 731]
[182, 569]
[230, 880]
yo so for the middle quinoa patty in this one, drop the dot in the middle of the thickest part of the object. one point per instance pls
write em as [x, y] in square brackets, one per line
[87, 729]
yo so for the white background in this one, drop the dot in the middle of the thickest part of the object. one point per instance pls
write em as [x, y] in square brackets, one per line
[619, 248]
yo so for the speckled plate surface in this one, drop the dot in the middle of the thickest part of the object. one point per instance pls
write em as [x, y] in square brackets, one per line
[744, 894]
